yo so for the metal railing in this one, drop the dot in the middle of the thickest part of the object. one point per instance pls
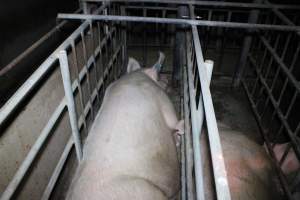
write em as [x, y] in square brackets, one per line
[106, 71]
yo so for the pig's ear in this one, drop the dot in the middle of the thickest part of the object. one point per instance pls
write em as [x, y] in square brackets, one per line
[155, 69]
[133, 65]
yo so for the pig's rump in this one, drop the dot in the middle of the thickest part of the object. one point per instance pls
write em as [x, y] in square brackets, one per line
[130, 148]
[249, 171]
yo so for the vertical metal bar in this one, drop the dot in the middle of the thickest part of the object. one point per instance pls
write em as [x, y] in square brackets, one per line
[87, 72]
[93, 53]
[77, 78]
[253, 17]
[179, 55]
[182, 153]
[196, 129]
[65, 72]
[220, 175]
[188, 142]
[144, 39]
[124, 40]
[196, 117]
[100, 53]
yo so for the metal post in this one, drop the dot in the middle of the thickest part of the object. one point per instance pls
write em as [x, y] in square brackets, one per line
[240, 67]
[65, 72]
[179, 50]
[124, 41]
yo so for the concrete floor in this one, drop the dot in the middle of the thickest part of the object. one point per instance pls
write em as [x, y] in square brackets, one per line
[232, 108]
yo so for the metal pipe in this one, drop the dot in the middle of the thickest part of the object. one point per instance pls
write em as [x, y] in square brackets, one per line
[205, 3]
[180, 44]
[182, 153]
[178, 21]
[240, 67]
[65, 72]
[197, 121]
[197, 117]
[188, 141]
[220, 175]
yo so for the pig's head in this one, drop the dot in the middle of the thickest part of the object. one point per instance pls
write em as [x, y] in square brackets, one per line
[152, 72]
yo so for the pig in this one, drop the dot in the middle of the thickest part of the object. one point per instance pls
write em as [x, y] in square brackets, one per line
[291, 163]
[290, 166]
[249, 170]
[131, 151]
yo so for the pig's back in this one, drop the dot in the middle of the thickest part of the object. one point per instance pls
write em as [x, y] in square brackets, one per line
[130, 138]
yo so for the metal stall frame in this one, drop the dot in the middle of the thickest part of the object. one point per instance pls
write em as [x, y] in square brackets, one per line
[195, 72]
[191, 75]
[60, 54]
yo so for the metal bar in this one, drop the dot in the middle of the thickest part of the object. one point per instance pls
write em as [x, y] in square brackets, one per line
[150, 7]
[220, 175]
[182, 153]
[188, 141]
[57, 170]
[178, 21]
[240, 67]
[65, 72]
[85, 66]
[197, 121]
[144, 39]
[77, 78]
[179, 46]
[279, 14]
[94, 56]
[205, 3]
[19, 175]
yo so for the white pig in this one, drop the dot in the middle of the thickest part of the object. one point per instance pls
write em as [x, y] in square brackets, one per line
[249, 170]
[130, 152]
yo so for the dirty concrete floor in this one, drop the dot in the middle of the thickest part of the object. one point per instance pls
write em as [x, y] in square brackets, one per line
[232, 108]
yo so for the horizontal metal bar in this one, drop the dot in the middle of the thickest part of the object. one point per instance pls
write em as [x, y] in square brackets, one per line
[58, 170]
[205, 3]
[178, 21]
[16, 180]
[151, 8]
[220, 175]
